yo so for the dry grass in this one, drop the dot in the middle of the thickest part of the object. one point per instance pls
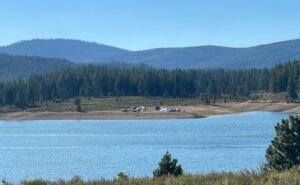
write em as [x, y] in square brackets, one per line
[291, 177]
[107, 103]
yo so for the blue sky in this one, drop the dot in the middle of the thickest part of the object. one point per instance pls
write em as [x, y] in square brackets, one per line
[143, 24]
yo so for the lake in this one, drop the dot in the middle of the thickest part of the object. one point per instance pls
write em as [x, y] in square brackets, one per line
[96, 149]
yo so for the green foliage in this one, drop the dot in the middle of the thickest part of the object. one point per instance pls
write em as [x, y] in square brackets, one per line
[168, 166]
[284, 151]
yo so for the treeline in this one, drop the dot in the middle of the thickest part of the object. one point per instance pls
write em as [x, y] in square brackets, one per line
[100, 80]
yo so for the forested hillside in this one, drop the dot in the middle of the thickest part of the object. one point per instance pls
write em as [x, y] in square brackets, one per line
[14, 67]
[73, 50]
[263, 56]
[96, 81]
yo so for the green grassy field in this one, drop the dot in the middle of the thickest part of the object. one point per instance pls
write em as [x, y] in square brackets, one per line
[291, 177]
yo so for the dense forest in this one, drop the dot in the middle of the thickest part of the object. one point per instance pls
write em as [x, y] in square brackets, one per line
[14, 67]
[100, 80]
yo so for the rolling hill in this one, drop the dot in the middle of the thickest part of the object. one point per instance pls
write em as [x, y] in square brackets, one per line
[263, 56]
[15, 67]
[73, 50]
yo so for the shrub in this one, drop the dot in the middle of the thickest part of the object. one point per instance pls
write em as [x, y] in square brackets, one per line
[122, 176]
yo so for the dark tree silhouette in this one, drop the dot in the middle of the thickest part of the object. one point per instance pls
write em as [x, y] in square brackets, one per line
[168, 166]
[77, 102]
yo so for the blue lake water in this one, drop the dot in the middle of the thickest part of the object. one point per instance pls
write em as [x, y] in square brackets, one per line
[96, 149]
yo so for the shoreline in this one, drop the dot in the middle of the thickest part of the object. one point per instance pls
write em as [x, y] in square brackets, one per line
[189, 112]
[93, 115]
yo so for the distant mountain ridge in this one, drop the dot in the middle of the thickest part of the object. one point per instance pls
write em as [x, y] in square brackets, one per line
[73, 50]
[263, 56]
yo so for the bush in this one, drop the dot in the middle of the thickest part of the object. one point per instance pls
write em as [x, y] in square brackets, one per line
[122, 176]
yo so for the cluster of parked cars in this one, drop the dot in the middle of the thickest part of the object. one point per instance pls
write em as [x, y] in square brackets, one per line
[135, 109]
[167, 109]
[157, 108]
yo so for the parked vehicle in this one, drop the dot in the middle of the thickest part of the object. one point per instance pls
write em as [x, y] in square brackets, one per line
[135, 109]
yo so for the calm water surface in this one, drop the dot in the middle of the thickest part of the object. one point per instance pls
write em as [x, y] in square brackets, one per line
[96, 149]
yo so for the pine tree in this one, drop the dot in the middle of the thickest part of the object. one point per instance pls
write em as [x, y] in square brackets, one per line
[20, 99]
[53, 95]
[9, 96]
[141, 88]
[291, 90]
[77, 102]
[212, 90]
[284, 151]
[117, 86]
[298, 84]
[168, 166]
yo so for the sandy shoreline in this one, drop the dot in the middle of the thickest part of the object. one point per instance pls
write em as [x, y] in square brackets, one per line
[94, 115]
[188, 112]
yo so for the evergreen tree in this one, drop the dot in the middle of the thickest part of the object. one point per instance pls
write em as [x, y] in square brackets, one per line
[20, 100]
[141, 88]
[284, 151]
[118, 87]
[9, 96]
[212, 90]
[53, 95]
[77, 102]
[81, 91]
[298, 84]
[168, 166]
[291, 90]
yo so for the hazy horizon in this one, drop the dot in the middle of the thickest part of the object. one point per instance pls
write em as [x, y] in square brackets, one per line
[212, 45]
[140, 25]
